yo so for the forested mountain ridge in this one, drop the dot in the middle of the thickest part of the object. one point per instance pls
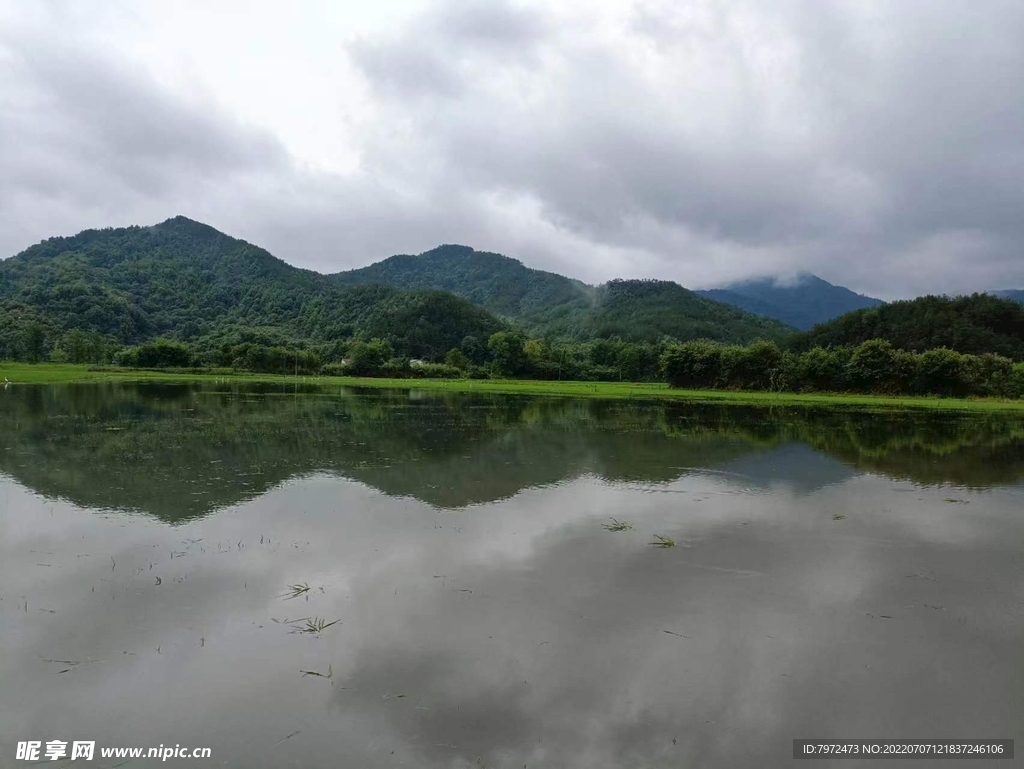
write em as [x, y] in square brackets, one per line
[638, 310]
[552, 305]
[185, 280]
[498, 283]
[976, 324]
[188, 282]
[803, 303]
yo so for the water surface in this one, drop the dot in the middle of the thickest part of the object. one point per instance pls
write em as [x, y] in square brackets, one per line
[834, 575]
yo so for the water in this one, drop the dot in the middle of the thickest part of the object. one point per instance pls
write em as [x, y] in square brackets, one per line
[834, 575]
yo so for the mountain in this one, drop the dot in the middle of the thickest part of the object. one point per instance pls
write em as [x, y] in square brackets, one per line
[1016, 295]
[185, 280]
[974, 324]
[548, 304]
[188, 282]
[803, 304]
[500, 284]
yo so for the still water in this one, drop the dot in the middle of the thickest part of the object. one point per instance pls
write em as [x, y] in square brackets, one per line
[833, 575]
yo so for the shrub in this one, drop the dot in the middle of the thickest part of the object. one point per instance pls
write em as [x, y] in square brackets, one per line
[160, 353]
[821, 370]
[756, 367]
[436, 371]
[457, 359]
[692, 364]
[991, 374]
[870, 368]
[1014, 387]
[942, 372]
[368, 358]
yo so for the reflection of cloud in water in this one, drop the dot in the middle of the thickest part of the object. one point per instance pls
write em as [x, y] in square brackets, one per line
[558, 656]
[794, 465]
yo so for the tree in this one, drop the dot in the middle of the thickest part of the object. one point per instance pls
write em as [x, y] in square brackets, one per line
[507, 353]
[821, 370]
[941, 372]
[33, 342]
[871, 365]
[366, 358]
[692, 364]
[458, 359]
[78, 346]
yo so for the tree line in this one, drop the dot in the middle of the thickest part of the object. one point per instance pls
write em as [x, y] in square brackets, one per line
[873, 367]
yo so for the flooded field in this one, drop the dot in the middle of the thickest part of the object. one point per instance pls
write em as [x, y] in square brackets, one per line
[302, 577]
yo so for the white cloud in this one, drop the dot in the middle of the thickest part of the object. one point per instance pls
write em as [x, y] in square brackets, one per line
[878, 145]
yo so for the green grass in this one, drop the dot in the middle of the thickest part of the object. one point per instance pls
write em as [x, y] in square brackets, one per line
[307, 625]
[617, 525]
[662, 541]
[296, 591]
[54, 373]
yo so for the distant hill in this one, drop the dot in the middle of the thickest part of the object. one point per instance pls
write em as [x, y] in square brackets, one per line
[803, 304]
[970, 324]
[184, 280]
[546, 303]
[1016, 295]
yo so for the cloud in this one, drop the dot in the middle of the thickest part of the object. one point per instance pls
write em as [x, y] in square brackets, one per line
[877, 145]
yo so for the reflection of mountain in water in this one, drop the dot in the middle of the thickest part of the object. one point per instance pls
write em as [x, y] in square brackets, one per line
[180, 451]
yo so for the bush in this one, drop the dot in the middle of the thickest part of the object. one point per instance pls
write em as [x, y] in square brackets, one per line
[1014, 387]
[457, 359]
[436, 371]
[695, 364]
[870, 368]
[368, 358]
[334, 369]
[161, 353]
[821, 370]
[756, 367]
[991, 375]
[941, 372]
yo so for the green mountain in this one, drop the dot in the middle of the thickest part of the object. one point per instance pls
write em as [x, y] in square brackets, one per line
[187, 281]
[974, 324]
[498, 283]
[547, 304]
[1016, 295]
[802, 304]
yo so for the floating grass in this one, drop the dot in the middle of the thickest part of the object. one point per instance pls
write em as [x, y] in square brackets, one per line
[838, 517]
[617, 525]
[329, 675]
[661, 541]
[296, 591]
[312, 625]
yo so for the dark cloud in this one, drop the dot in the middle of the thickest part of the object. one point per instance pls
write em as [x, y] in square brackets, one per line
[878, 146]
[811, 133]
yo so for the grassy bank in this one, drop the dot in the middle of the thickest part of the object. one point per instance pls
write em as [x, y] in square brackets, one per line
[54, 373]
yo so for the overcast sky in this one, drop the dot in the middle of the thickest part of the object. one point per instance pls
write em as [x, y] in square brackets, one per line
[877, 144]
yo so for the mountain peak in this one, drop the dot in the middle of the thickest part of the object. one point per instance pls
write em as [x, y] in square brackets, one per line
[181, 223]
[802, 300]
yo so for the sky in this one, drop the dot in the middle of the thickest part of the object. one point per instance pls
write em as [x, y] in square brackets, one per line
[879, 145]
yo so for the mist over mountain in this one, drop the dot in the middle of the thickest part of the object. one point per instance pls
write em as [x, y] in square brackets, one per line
[802, 303]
